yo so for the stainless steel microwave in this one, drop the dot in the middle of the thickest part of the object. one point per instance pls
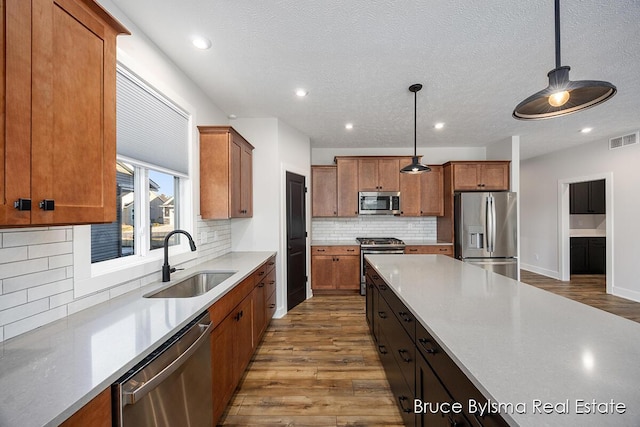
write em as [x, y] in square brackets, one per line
[379, 203]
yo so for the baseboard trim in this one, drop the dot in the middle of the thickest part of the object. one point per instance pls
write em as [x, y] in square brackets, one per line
[543, 271]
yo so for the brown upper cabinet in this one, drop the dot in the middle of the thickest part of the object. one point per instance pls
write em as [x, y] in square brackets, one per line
[324, 186]
[421, 194]
[226, 177]
[347, 170]
[480, 176]
[378, 174]
[58, 133]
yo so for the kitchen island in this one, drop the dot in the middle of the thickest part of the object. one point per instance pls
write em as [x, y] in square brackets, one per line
[540, 359]
[46, 375]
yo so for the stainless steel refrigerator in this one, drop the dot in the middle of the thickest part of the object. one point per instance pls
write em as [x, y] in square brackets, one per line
[485, 227]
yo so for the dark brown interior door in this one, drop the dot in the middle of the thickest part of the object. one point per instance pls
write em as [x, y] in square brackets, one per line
[296, 240]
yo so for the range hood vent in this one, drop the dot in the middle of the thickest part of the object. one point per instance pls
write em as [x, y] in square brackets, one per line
[624, 140]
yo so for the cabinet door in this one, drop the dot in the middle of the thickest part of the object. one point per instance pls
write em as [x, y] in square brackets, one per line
[259, 312]
[243, 337]
[235, 176]
[246, 181]
[388, 175]
[579, 255]
[368, 175]
[347, 272]
[597, 255]
[579, 198]
[431, 192]
[347, 187]
[494, 176]
[597, 203]
[322, 272]
[410, 194]
[96, 413]
[324, 185]
[466, 177]
[222, 360]
[73, 114]
[15, 126]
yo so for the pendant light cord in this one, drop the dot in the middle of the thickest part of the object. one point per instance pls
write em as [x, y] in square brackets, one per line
[558, 62]
[415, 123]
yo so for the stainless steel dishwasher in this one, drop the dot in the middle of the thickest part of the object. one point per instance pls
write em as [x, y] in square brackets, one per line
[172, 386]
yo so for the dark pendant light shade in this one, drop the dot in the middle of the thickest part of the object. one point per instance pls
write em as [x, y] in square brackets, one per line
[563, 96]
[415, 166]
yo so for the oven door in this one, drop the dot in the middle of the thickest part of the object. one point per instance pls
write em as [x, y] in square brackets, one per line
[373, 251]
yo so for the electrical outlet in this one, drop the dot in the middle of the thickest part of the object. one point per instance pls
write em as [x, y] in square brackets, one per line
[203, 237]
[537, 257]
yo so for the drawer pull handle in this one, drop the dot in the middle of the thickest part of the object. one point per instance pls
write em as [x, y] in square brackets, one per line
[351, 250]
[320, 250]
[401, 401]
[402, 352]
[405, 316]
[382, 314]
[272, 306]
[261, 273]
[429, 350]
[272, 282]
[382, 349]
[383, 287]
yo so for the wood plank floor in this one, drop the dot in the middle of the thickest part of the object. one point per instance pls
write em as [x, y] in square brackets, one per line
[587, 289]
[317, 366]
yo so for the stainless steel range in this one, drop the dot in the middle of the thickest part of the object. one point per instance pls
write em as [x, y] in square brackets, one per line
[377, 245]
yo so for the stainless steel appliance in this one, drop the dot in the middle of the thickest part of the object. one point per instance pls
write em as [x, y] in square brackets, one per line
[172, 386]
[377, 245]
[485, 227]
[379, 203]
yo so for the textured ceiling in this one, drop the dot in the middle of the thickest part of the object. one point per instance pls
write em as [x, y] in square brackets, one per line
[477, 59]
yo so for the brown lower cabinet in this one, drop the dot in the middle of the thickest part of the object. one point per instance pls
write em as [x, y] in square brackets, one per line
[416, 367]
[429, 249]
[96, 413]
[335, 269]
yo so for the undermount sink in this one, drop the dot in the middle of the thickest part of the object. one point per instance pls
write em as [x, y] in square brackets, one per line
[193, 286]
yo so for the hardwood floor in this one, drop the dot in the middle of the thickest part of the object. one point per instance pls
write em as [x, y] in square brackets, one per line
[587, 289]
[317, 366]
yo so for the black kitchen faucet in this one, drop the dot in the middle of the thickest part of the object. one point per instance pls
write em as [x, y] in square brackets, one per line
[166, 268]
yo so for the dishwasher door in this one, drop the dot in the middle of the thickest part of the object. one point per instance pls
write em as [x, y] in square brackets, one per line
[172, 386]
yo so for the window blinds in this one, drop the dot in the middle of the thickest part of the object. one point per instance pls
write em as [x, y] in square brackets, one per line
[150, 128]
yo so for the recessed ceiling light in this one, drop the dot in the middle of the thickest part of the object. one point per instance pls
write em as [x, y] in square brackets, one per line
[348, 126]
[232, 116]
[586, 130]
[302, 93]
[201, 42]
[439, 125]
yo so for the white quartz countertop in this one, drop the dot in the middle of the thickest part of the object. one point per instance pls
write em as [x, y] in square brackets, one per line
[520, 344]
[48, 374]
[587, 232]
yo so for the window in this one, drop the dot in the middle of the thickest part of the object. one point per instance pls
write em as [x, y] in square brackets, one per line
[152, 146]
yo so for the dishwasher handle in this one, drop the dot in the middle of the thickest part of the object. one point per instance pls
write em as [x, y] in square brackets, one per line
[131, 397]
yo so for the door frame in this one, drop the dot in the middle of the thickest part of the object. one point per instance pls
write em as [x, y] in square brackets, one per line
[282, 290]
[564, 245]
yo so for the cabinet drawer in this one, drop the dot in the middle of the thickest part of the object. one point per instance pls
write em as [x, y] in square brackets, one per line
[454, 380]
[400, 311]
[335, 250]
[271, 306]
[271, 263]
[429, 249]
[270, 282]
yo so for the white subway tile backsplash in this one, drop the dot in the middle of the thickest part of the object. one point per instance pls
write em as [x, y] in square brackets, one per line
[22, 311]
[50, 249]
[19, 268]
[33, 279]
[36, 274]
[350, 228]
[13, 299]
[39, 237]
[50, 289]
[35, 321]
[8, 255]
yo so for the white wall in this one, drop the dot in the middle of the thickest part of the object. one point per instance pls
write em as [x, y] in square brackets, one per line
[539, 182]
[278, 148]
[38, 267]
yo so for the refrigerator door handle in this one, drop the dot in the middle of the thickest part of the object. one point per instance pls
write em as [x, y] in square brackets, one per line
[491, 224]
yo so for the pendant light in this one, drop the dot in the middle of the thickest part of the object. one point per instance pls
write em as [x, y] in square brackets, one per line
[415, 166]
[563, 96]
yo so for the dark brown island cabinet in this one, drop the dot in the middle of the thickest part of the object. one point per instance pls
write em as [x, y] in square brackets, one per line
[425, 381]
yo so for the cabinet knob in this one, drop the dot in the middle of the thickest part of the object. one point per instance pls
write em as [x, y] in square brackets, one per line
[22, 204]
[47, 205]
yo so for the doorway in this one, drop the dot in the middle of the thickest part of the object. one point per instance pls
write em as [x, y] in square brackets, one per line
[296, 239]
[572, 226]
